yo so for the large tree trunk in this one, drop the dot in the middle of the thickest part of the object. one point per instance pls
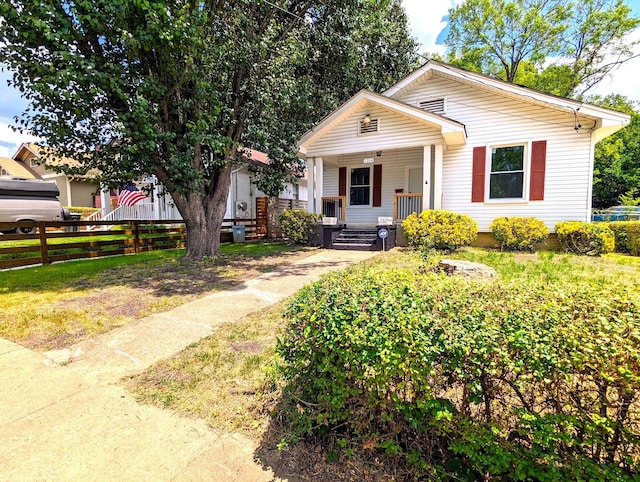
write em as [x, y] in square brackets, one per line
[203, 215]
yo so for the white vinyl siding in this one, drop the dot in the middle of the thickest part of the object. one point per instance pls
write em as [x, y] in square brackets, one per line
[395, 131]
[394, 168]
[242, 190]
[492, 119]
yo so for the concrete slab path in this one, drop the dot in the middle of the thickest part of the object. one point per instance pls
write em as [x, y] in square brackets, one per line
[63, 415]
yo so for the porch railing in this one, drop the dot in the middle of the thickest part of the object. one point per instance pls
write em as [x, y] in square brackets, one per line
[335, 207]
[405, 204]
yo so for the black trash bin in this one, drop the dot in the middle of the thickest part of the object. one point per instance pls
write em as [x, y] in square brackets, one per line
[74, 217]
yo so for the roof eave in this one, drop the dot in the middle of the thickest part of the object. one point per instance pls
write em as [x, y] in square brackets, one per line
[454, 130]
[607, 127]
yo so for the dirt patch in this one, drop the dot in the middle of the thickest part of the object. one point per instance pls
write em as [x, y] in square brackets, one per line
[56, 342]
[95, 304]
[521, 257]
[247, 346]
[112, 302]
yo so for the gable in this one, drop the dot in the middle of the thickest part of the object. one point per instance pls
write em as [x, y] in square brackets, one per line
[16, 169]
[601, 121]
[481, 111]
[392, 130]
[364, 115]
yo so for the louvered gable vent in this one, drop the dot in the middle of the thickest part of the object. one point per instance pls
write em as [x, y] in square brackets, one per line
[371, 127]
[436, 105]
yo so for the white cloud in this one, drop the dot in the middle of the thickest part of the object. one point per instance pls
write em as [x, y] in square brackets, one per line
[625, 79]
[7, 151]
[10, 140]
[426, 21]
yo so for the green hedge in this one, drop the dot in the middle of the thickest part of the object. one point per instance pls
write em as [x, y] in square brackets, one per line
[297, 225]
[468, 380]
[578, 237]
[627, 236]
[439, 229]
[518, 233]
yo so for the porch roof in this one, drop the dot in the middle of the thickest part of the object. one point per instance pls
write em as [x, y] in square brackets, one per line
[453, 132]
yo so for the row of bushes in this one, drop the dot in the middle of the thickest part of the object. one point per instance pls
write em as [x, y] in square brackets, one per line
[448, 231]
[444, 230]
[468, 381]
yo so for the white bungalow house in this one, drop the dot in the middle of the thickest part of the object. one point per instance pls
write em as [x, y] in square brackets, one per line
[446, 138]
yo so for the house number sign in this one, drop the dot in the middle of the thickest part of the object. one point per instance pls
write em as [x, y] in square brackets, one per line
[368, 160]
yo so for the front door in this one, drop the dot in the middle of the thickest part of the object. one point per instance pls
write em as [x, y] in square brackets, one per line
[407, 203]
[415, 181]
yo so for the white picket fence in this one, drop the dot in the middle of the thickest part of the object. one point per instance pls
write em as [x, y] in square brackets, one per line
[140, 211]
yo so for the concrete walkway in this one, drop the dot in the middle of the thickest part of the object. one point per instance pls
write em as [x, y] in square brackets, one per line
[63, 415]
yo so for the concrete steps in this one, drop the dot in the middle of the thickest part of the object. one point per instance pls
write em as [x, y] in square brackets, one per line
[357, 240]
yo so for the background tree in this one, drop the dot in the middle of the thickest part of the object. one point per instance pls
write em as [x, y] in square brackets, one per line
[175, 88]
[617, 158]
[558, 46]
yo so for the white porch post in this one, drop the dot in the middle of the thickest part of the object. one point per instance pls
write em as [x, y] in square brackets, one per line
[437, 174]
[319, 184]
[155, 205]
[311, 184]
[69, 202]
[426, 174]
[105, 201]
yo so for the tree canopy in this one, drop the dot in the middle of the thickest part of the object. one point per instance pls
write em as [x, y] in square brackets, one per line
[617, 158]
[563, 47]
[176, 88]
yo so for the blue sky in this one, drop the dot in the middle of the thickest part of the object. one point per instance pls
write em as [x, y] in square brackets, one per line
[427, 22]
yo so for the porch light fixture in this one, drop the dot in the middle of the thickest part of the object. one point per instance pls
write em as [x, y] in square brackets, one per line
[366, 122]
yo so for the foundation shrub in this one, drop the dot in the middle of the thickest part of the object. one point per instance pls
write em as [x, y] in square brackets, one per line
[455, 378]
[439, 229]
[298, 225]
[592, 239]
[627, 236]
[518, 233]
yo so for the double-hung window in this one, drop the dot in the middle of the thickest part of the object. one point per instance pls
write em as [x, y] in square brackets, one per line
[507, 172]
[360, 192]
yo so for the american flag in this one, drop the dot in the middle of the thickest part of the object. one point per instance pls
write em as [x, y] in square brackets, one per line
[130, 195]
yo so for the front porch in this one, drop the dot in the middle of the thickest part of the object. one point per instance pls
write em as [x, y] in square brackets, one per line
[403, 206]
[376, 188]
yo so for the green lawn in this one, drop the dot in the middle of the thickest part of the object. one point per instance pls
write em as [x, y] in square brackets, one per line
[53, 306]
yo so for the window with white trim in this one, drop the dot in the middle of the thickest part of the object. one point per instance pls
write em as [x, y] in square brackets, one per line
[33, 162]
[360, 191]
[506, 179]
[3, 172]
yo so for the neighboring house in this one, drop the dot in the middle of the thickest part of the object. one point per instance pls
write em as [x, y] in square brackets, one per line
[241, 202]
[446, 138]
[12, 168]
[74, 190]
[242, 194]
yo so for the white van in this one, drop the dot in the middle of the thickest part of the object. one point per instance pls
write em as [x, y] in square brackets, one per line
[29, 200]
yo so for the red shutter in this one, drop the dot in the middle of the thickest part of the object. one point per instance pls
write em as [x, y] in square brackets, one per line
[478, 174]
[342, 181]
[377, 185]
[538, 166]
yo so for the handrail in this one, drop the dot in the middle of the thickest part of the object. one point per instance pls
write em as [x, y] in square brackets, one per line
[334, 205]
[405, 204]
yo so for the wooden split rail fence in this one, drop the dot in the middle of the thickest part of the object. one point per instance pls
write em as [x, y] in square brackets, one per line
[67, 240]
